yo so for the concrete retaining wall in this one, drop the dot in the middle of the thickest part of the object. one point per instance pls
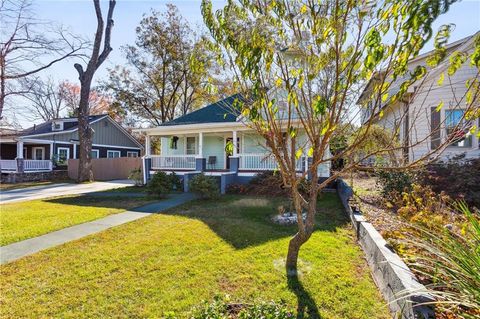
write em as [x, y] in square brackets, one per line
[391, 274]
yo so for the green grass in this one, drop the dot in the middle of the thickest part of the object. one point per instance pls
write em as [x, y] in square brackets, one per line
[7, 187]
[172, 261]
[19, 221]
[129, 189]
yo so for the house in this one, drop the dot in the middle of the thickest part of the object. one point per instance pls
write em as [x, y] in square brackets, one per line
[430, 116]
[42, 147]
[197, 143]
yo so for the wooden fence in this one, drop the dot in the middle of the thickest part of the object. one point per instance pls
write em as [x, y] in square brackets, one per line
[105, 169]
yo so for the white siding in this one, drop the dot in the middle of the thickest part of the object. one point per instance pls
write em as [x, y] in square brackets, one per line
[429, 95]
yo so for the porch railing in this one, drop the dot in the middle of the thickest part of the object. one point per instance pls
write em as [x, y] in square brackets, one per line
[37, 165]
[173, 162]
[262, 162]
[8, 165]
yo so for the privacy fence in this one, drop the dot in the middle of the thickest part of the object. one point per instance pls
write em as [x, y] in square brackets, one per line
[105, 169]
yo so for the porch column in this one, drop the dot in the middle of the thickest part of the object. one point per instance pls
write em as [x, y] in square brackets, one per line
[74, 150]
[235, 142]
[51, 151]
[19, 149]
[147, 145]
[200, 144]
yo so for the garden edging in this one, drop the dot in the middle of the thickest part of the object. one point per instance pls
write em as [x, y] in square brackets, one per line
[391, 275]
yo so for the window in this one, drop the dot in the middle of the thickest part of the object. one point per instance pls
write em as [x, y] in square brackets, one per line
[457, 128]
[38, 153]
[63, 154]
[132, 154]
[113, 154]
[94, 154]
[190, 145]
[57, 126]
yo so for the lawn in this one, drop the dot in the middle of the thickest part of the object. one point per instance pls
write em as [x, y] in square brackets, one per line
[172, 261]
[28, 219]
[8, 187]
[129, 189]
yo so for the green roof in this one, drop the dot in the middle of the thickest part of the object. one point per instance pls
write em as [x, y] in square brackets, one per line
[222, 111]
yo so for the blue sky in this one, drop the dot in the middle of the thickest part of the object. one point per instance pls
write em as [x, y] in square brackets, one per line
[79, 16]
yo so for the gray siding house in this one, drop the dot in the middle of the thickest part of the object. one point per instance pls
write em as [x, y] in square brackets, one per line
[43, 146]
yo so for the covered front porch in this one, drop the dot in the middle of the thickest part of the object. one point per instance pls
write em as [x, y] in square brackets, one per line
[231, 151]
[25, 156]
[213, 153]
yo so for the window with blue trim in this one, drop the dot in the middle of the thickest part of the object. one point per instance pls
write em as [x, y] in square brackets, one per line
[458, 130]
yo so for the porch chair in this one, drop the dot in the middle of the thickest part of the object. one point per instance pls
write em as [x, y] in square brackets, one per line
[212, 161]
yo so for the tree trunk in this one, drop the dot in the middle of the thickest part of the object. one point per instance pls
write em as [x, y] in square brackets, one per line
[293, 250]
[305, 227]
[85, 135]
[2, 85]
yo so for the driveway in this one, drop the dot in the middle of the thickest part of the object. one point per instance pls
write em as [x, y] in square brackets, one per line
[61, 189]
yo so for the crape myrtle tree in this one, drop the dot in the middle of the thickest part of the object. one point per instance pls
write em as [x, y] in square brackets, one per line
[85, 75]
[301, 65]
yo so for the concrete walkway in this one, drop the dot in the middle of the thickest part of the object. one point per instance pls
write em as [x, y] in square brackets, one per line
[33, 245]
[62, 189]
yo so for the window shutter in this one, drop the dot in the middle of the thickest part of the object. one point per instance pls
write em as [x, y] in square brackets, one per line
[434, 128]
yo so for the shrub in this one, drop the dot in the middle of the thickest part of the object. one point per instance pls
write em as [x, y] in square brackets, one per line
[459, 180]
[205, 186]
[422, 206]
[160, 184]
[394, 183]
[136, 176]
[450, 261]
[268, 183]
[176, 182]
[239, 189]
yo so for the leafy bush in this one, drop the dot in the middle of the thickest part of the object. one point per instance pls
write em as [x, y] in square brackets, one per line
[136, 176]
[459, 180]
[160, 184]
[450, 260]
[238, 189]
[221, 308]
[268, 183]
[394, 183]
[205, 186]
[176, 182]
[422, 206]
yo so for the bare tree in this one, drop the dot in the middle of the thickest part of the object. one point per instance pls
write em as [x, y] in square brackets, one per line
[29, 45]
[46, 101]
[85, 76]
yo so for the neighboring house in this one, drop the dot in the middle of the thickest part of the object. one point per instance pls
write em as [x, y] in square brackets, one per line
[197, 142]
[422, 126]
[43, 146]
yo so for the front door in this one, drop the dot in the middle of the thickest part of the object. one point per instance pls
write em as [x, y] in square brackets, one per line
[229, 150]
[38, 153]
